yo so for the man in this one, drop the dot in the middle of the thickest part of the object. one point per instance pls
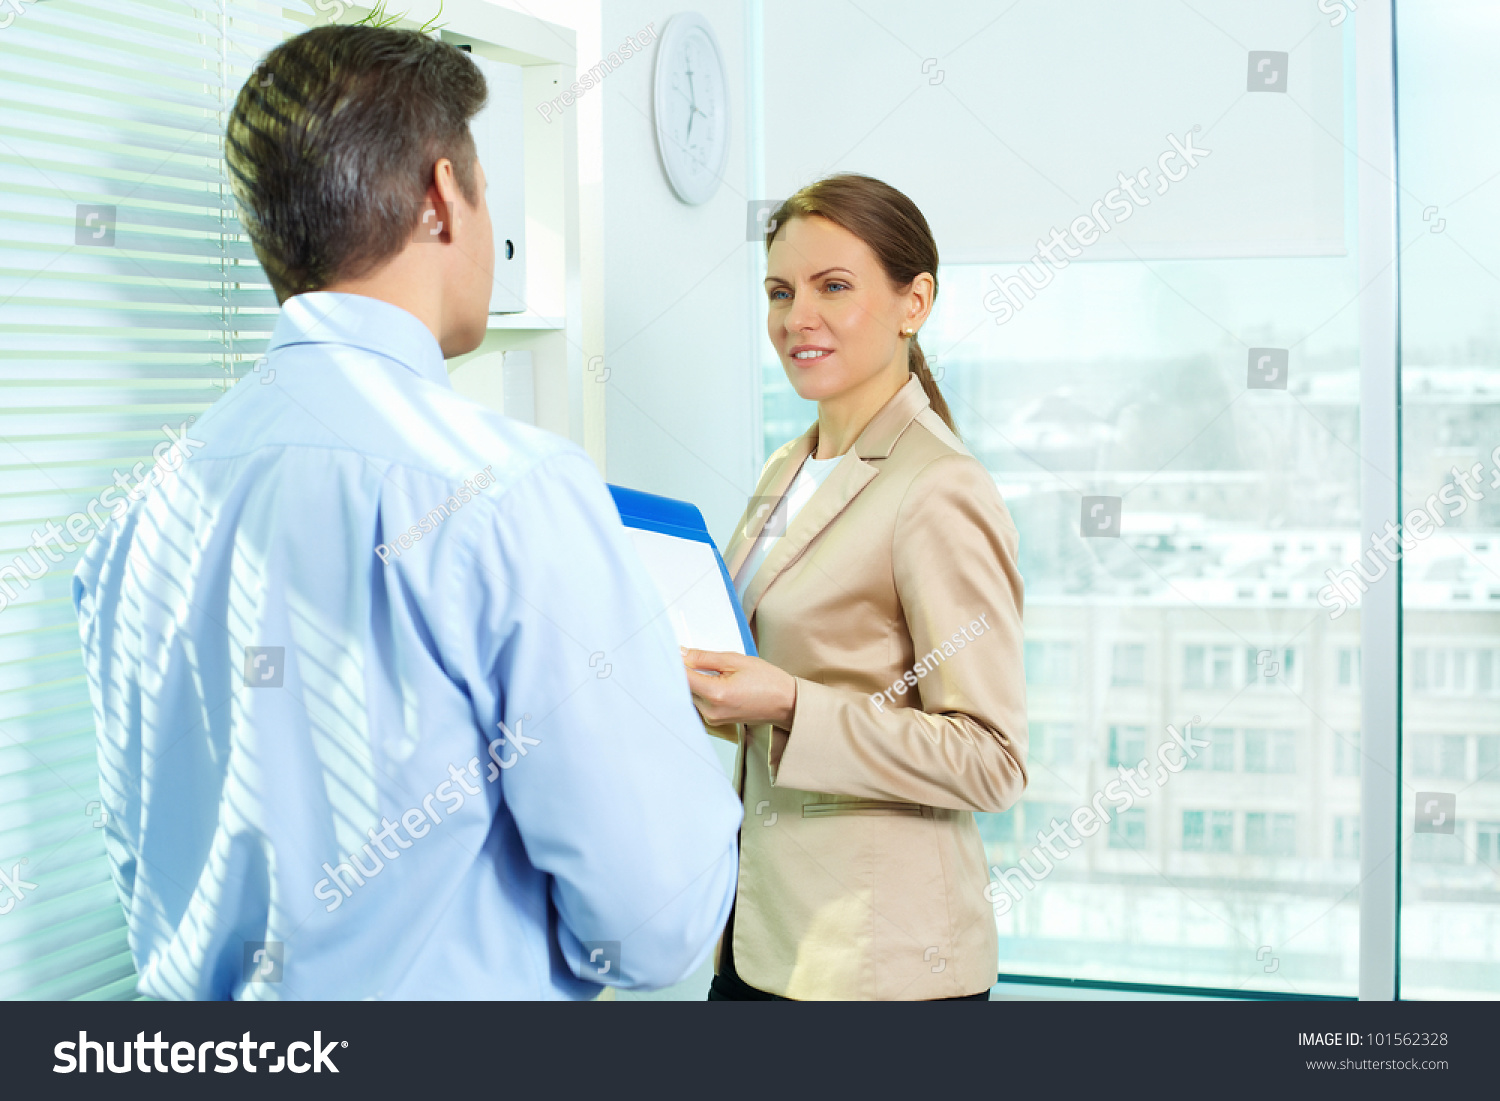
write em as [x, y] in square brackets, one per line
[386, 703]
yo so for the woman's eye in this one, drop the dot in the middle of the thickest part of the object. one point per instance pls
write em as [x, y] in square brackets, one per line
[779, 293]
[835, 285]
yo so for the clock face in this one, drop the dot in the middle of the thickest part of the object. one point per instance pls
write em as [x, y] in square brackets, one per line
[692, 109]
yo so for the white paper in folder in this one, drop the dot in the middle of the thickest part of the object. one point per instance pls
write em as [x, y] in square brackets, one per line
[687, 577]
[690, 576]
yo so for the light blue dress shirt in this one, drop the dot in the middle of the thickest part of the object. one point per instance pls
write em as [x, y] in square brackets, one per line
[387, 705]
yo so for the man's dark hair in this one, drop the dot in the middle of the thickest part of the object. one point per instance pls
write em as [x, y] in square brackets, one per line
[331, 147]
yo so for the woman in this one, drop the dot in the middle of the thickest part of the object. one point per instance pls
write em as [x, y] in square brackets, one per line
[877, 567]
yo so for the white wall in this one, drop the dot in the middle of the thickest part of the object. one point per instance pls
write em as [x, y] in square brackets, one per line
[681, 392]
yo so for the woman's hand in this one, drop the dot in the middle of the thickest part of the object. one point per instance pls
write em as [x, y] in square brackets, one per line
[746, 690]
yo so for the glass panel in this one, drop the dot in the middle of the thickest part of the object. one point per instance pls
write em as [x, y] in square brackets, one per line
[1450, 368]
[1210, 394]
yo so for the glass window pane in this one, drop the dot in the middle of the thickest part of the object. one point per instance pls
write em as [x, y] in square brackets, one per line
[1213, 394]
[1193, 834]
[1448, 84]
[1129, 665]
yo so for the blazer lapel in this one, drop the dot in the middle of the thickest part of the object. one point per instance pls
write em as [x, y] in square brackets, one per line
[842, 486]
[833, 496]
[772, 486]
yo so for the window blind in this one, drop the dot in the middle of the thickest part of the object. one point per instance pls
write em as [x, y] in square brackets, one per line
[129, 301]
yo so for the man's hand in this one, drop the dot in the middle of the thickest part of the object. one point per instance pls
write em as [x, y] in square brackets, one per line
[746, 689]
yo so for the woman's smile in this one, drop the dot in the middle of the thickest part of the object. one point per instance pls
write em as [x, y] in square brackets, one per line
[805, 355]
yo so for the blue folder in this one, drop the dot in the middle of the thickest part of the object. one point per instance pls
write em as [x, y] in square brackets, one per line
[678, 520]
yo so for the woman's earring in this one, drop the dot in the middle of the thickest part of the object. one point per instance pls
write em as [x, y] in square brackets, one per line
[908, 332]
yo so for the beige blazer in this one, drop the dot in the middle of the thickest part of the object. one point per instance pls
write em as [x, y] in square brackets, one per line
[894, 599]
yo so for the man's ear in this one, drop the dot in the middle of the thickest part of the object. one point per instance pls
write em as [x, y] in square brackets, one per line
[436, 224]
[443, 197]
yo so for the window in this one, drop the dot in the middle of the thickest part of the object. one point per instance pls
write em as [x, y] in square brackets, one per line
[1270, 751]
[1207, 666]
[1218, 518]
[1346, 837]
[1487, 845]
[1127, 830]
[1218, 755]
[1452, 671]
[1127, 745]
[1268, 668]
[1270, 834]
[1439, 755]
[1208, 831]
[113, 123]
[1448, 584]
[1129, 665]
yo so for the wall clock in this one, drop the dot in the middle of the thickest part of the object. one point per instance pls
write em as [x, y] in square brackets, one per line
[692, 108]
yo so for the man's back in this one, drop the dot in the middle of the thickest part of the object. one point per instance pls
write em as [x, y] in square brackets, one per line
[384, 696]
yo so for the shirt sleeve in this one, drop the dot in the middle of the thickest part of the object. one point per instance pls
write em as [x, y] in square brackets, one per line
[956, 738]
[615, 788]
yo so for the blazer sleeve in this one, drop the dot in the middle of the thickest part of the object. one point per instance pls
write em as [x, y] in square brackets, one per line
[957, 739]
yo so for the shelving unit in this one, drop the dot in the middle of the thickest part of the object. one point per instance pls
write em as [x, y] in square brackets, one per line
[554, 327]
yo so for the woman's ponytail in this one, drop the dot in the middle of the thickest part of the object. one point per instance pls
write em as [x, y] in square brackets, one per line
[918, 364]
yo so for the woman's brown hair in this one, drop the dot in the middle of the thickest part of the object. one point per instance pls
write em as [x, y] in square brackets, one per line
[893, 227]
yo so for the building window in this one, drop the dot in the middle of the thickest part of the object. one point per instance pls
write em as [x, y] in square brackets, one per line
[1127, 830]
[1440, 755]
[1218, 755]
[1270, 834]
[1127, 745]
[1270, 667]
[1207, 666]
[1129, 666]
[1487, 845]
[1208, 831]
[1346, 837]
[1193, 830]
[1453, 672]
[1270, 751]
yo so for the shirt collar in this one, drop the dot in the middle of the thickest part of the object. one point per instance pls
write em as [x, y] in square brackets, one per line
[353, 320]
